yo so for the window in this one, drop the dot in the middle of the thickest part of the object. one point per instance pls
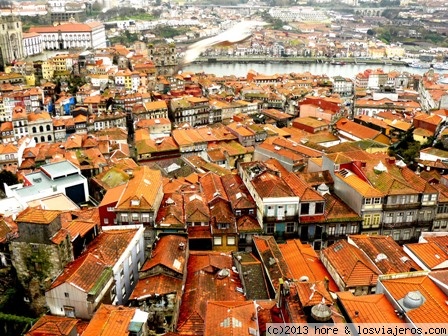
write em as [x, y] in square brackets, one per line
[367, 220]
[289, 227]
[251, 211]
[367, 201]
[106, 221]
[145, 218]
[110, 209]
[66, 295]
[135, 217]
[124, 217]
[69, 311]
[433, 197]
[406, 235]
[139, 265]
[353, 229]
[238, 212]
[130, 260]
[113, 293]
[270, 228]
[270, 211]
[443, 224]
[376, 220]
[231, 240]
[121, 274]
[409, 216]
[137, 248]
[377, 200]
[343, 229]
[123, 291]
[135, 202]
[217, 241]
[389, 218]
[331, 230]
[396, 235]
[131, 279]
[304, 208]
[399, 218]
[436, 225]
[319, 208]
[425, 198]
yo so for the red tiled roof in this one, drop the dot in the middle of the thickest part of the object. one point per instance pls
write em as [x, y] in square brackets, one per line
[156, 285]
[434, 308]
[352, 265]
[302, 261]
[83, 273]
[430, 254]
[378, 247]
[49, 325]
[168, 253]
[202, 285]
[110, 321]
[373, 308]
[230, 318]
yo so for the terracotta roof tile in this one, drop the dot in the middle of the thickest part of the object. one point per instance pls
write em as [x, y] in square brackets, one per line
[387, 255]
[37, 216]
[374, 308]
[83, 273]
[230, 318]
[352, 265]
[302, 260]
[49, 325]
[110, 321]
[434, 308]
[156, 285]
[430, 254]
[202, 286]
[168, 253]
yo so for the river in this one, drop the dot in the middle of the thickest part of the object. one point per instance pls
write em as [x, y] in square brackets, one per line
[348, 70]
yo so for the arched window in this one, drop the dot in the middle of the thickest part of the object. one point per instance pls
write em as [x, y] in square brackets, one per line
[49, 138]
[34, 129]
[42, 139]
[35, 139]
[41, 128]
[48, 128]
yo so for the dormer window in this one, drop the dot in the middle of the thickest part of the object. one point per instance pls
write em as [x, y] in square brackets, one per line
[135, 202]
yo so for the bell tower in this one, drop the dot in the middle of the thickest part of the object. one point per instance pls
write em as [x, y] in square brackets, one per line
[11, 48]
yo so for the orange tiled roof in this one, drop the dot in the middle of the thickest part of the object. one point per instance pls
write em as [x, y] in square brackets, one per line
[230, 318]
[302, 260]
[168, 253]
[430, 254]
[434, 308]
[110, 320]
[49, 325]
[83, 273]
[144, 186]
[37, 216]
[352, 265]
[373, 308]
[160, 284]
[376, 247]
[202, 285]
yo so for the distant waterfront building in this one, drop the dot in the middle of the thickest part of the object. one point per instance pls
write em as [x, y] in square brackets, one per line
[62, 11]
[297, 14]
[72, 35]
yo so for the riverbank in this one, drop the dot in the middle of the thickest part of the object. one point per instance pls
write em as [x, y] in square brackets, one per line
[299, 60]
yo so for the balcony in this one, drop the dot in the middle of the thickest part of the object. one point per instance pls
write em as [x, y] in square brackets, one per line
[276, 219]
[401, 225]
[405, 206]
